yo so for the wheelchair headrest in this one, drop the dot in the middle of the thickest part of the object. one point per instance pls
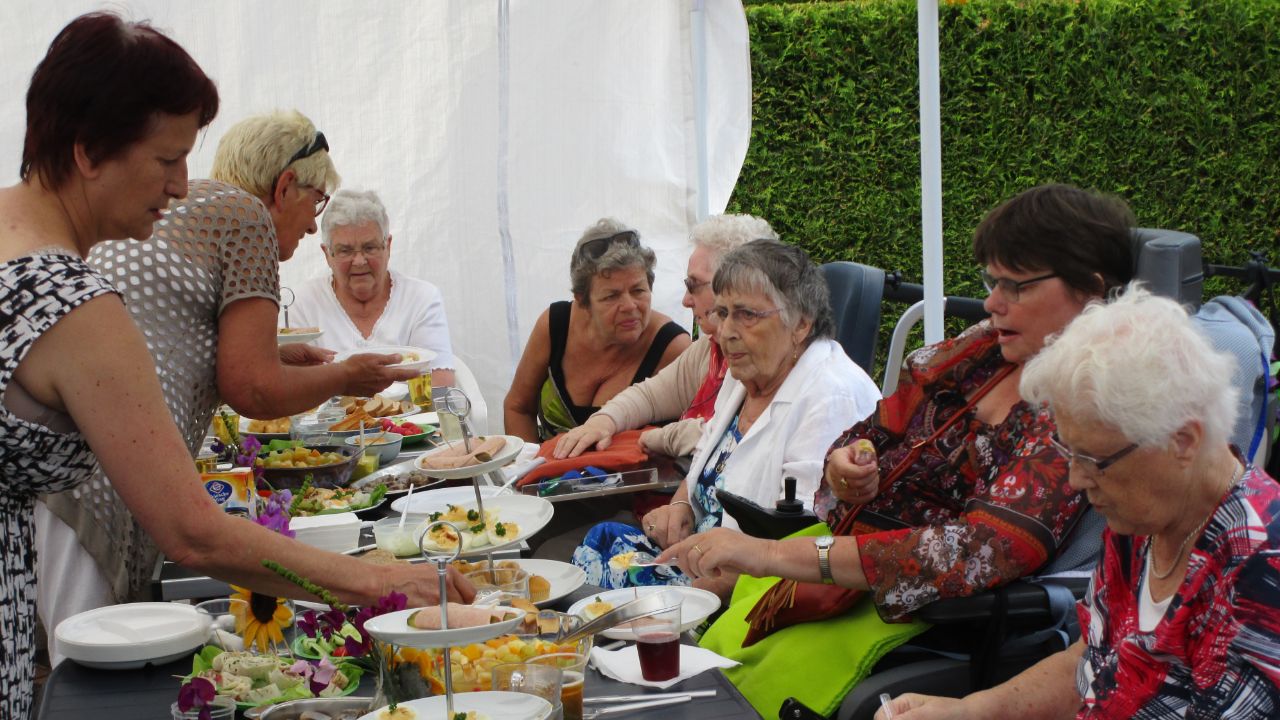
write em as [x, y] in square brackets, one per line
[1169, 263]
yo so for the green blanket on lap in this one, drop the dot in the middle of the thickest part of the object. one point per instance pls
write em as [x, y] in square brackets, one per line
[817, 663]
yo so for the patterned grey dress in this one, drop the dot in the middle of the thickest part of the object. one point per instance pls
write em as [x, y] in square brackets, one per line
[212, 248]
[36, 291]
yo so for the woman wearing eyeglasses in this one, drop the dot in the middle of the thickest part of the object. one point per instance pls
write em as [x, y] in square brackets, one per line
[362, 302]
[204, 289]
[583, 352]
[791, 389]
[957, 488]
[1181, 615]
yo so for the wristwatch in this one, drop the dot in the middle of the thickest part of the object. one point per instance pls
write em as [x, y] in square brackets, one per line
[824, 544]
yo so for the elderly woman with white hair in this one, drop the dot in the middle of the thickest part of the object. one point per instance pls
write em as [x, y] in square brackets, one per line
[685, 389]
[583, 352]
[1181, 616]
[362, 303]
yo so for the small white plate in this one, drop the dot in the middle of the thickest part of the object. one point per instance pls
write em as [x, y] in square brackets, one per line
[292, 338]
[497, 705]
[529, 513]
[696, 605]
[122, 637]
[395, 628]
[504, 456]
[424, 418]
[425, 356]
[564, 577]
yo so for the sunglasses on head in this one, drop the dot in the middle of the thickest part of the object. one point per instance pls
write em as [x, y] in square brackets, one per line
[597, 247]
[316, 145]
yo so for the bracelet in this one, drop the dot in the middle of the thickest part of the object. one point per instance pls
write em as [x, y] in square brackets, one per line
[686, 503]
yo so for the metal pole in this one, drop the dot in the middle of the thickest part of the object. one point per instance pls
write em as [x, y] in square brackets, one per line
[930, 168]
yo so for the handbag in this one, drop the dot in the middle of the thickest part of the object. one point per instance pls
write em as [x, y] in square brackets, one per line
[790, 602]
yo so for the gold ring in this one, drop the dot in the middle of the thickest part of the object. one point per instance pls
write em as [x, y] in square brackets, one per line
[695, 547]
[650, 526]
[844, 484]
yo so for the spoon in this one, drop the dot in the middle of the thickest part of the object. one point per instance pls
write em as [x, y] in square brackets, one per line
[405, 512]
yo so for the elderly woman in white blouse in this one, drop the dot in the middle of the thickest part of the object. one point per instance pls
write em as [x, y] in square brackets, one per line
[362, 303]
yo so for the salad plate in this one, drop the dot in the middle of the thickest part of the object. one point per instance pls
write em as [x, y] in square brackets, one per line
[250, 677]
[695, 606]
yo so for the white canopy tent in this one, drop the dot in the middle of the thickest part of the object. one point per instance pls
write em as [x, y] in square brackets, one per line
[494, 131]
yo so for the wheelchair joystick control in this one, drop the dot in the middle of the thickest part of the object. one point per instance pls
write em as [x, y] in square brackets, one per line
[789, 504]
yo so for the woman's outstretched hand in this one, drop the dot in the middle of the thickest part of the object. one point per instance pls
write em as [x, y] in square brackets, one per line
[720, 551]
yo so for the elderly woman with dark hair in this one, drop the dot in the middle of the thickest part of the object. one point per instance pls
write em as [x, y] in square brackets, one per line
[791, 389]
[607, 335]
[952, 487]
[1181, 615]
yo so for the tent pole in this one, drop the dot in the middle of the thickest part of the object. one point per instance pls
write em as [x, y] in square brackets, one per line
[930, 168]
[504, 209]
[698, 25]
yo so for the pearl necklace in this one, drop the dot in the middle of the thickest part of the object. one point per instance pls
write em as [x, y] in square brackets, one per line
[1151, 560]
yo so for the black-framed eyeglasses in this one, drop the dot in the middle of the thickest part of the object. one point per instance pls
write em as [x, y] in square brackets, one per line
[742, 316]
[694, 286]
[596, 247]
[317, 144]
[322, 202]
[1011, 289]
[1089, 464]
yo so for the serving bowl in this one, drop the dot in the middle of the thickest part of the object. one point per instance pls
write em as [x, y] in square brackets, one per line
[333, 475]
[385, 445]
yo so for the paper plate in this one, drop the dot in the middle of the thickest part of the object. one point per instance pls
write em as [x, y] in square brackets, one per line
[121, 637]
[497, 705]
[696, 606]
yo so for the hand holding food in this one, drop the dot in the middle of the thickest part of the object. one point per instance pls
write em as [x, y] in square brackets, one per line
[853, 473]
[369, 373]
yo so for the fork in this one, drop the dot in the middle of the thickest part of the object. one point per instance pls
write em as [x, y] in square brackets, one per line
[668, 564]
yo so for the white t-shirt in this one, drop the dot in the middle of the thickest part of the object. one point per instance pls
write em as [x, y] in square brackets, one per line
[414, 316]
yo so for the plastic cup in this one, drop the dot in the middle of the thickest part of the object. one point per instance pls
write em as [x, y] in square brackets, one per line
[401, 540]
[658, 644]
[420, 392]
[220, 708]
[530, 678]
[506, 583]
[573, 675]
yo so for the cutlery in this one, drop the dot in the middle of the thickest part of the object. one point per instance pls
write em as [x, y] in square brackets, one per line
[593, 713]
[650, 696]
[668, 564]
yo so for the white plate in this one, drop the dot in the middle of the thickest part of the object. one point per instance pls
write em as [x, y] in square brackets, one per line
[696, 606]
[244, 430]
[120, 637]
[504, 456]
[495, 704]
[396, 391]
[395, 628]
[425, 356]
[529, 513]
[425, 501]
[424, 418]
[291, 338]
[564, 577]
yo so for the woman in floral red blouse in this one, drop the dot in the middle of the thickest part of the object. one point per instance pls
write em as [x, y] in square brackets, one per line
[1183, 613]
[984, 500]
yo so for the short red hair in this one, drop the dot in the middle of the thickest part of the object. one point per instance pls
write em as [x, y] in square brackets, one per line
[100, 85]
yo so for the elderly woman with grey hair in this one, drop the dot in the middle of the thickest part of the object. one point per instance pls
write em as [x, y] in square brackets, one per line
[361, 302]
[791, 390]
[1181, 615]
[607, 335]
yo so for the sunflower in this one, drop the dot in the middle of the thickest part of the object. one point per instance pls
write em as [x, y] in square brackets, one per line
[261, 619]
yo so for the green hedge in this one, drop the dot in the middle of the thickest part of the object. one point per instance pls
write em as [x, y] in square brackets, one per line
[1170, 104]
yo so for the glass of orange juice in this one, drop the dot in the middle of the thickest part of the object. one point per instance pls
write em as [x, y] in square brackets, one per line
[420, 391]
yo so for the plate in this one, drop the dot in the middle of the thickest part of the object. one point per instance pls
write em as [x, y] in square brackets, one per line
[530, 514]
[425, 501]
[508, 453]
[265, 437]
[423, 419]
[564, 577]
[121, 637]
[425, 356]
[391, 471]
[498, 705]
[394, 628]
[291, 338]
[696, 606]
[396, 391]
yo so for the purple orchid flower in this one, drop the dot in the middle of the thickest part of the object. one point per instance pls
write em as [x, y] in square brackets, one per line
[309, 623]
[196, 693]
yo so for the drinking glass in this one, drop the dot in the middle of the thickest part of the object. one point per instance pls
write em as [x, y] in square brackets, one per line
[420, 392]
[573, 674]
[506, 583]
[540, 680]
[658, 644]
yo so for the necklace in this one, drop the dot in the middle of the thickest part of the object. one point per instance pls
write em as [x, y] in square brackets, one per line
[1235, 478]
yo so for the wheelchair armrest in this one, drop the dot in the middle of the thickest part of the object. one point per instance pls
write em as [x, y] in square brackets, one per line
[762, 522]
[1024, 601]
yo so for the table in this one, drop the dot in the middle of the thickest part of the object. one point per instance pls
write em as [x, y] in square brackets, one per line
[74, 692]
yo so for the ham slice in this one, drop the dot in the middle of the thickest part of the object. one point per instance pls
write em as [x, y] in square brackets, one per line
[460, 616]
[458, 457]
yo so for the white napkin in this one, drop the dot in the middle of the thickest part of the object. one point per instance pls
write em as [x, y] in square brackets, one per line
[524, 462]
[624, 664]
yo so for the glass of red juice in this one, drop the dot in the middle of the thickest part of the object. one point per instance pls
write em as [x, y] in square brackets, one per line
[658, 644]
